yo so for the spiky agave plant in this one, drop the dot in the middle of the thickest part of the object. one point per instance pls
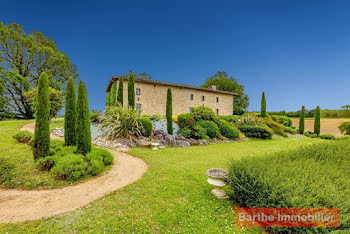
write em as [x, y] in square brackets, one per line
[248, 120]
[121, 122]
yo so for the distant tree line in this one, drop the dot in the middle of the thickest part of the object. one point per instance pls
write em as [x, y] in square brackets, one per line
[295, 114]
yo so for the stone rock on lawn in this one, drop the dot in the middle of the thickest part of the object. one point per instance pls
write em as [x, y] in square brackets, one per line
[182, 143]
[181, 138]
[169, 140]
[143, 143]
[202, 142]
[192, 141]
[126, 142]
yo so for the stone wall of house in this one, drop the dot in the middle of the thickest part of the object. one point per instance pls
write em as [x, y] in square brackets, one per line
[152, 99]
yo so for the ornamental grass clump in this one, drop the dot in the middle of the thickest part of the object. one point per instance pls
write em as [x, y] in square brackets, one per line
[121, 122]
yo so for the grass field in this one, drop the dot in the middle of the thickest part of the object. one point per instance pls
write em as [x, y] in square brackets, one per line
[172, 196]
[327, 125]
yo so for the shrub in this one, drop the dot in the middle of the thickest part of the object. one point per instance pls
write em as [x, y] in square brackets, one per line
[154, 117]
[56, 146]
[70, 114]
[199, 132]
[95, 167]
[41, 146]
[310, 176]
[327, 136]
[308, 133]
[24, 137]
[284, 120]
[113, 97]
[131, 91]
[185, 120]
[228, 130]
[106, 157]
[83, 121]
[121, 121]
[108, 99]
[147, 126]
[302, 120]
[229, 118]
[314, 135]
[263, 105]
[120, 97]
[45, 164]
[202, 113]
[248, 120]
[169, 112]
[94, 116]
[342, 138]
[276, 127]
[345, 128]
[262, 132]
[186, 132]
[317, 123]
[6, 170]
[211, 128]
[70, 167]
[290, 130]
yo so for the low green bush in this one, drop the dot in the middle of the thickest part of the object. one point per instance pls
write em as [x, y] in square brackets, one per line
[154, 117]
[345, 128]
[228, 130]
[202, 113]
[24, 137]
[284, 120]
[186, 132]
[199, 132]
[147, 126]
[94, 116]
[327, 136]
[211, 128]
[290, 130]
[313, 135]
[107, 157]
[185, 120]
[46, 163]
[248, 120]
[341, 138]
[262, 132]
[276, 127]
[229, 118]
[310, 176]
[70, 167]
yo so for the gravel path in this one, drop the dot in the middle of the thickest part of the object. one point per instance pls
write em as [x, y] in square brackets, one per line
[23, 205]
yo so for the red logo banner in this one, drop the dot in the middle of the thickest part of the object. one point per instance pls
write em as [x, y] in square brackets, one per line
[287, 217]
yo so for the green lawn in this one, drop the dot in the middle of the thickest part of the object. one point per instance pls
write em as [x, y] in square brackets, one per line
[173, 195]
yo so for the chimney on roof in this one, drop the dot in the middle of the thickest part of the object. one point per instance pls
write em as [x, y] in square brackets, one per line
[212, 87]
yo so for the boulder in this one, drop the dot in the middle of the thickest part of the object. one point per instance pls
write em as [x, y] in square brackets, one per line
[169, 140]
[202, 142]
[192, 141]
[182, 143]
[142, 143]
[181, 138]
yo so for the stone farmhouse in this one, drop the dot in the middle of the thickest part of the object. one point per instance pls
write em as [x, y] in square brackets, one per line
[150, 97]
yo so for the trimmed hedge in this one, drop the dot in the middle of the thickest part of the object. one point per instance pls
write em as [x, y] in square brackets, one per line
[229, 130]
[24, 137]
[211, 128]
[327, 137]
[290, 130]
[147, 126]
[310, 176]
[262, 132]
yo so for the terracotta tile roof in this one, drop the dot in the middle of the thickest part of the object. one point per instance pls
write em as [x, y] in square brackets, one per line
[149, 81]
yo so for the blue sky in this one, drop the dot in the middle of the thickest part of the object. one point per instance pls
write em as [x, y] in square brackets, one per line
[298, 52]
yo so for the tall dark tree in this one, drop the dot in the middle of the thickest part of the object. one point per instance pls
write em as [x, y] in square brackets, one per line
[41, 146]
[83, 121]
[113, 97]
[263, 105]
[169, 111]
[230, 84]
[108, 99]
[70, 114]
[317, 123]
[131, 91]
[302, 120]
[120, 97]
[23, 57]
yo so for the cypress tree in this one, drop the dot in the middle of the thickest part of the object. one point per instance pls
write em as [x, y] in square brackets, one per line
[131, 91]
[108, 99]
[83, 121]
[113, 97]
[302, 120]
[169, 111]
[41, 145]
[70, 115]
[317, 123]
[120, 98]
[263, 105]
